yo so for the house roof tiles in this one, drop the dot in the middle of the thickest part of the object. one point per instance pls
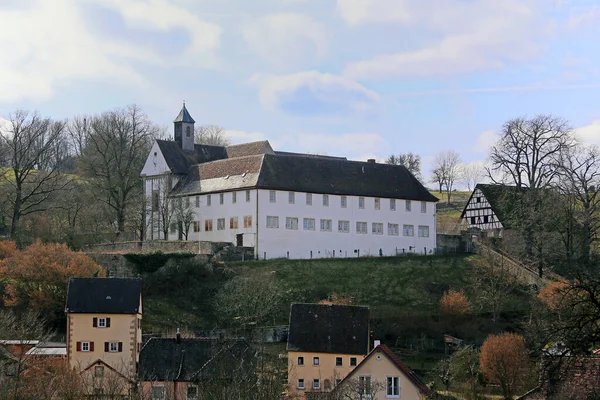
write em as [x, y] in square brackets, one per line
[190, 359]
[104, 295]
[326, 328]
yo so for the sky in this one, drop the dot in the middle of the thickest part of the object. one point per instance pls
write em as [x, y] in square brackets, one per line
[355, 78]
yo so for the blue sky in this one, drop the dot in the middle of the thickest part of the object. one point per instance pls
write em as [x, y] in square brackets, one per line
[357, 78]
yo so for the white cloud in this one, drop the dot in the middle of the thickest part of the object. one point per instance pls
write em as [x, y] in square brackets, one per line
[314, 92]
[354, 146]
[286, 38]
[470, 36]
[238, 136]
[484, 142]
[164, 16]
[585, 18]
[46, 44]
[589, 134]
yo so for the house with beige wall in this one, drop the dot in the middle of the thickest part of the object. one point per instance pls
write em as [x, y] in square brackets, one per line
[325, 343]
[381, 376]
[104, 334]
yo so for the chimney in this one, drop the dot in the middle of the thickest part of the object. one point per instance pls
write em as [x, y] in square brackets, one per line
[376, 343]
[371, 161]
[178, 336]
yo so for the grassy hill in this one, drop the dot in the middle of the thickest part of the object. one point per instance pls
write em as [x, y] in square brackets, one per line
[402, 292]
[448, 215]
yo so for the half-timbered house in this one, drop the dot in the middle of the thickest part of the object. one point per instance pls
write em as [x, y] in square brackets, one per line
[488, 208]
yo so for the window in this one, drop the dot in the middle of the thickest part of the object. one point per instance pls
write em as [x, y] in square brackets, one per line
[220, 224]
[101, 322]
[158, 392]
[408, 205]
[192, 392]
[187, 202]
[291, 223]
[291, 197]
[208, 200]
[393, 229]
[113, 347]
[364, 385]
[309, 199]
[233, 223]
[300, 360]
[208, 225]
[272, 222]
[316, 361]
[408, 230]
[344, 226]
[85, 346]
[248, 221]
[377, 204]
[326, 225]
[361, 227]
[393, 386]
[309, 224]
[272, 196]
[188, 131]
[361, 202]
[353, 361]
[325, 200]
[98, 371]
[221, 198]
[316, 384]
[338, 361]
[173, 227]
[343, 202]
[155, 199]
[393, 204]
[233, 200]
[377, 228]
[423, 231]
[423, 207]
[196, 226]
[247, 196]
[197, 201]
[300, 383]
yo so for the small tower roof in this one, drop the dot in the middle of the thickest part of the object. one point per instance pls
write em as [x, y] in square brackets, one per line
[184, 116]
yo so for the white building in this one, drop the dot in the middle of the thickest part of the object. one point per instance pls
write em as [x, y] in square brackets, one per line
[285, 204]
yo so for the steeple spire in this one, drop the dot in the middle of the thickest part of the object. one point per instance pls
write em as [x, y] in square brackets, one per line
[184, 129]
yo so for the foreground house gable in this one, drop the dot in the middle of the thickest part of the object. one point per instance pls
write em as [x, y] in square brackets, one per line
[389, 377]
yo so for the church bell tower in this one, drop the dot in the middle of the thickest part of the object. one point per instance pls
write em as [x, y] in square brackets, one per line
[184, 130]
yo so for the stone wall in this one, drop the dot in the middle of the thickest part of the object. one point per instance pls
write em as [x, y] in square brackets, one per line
[118, 266]
[170, 246]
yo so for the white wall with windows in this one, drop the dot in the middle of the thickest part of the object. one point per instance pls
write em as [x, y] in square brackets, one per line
[220, 217]
[303, 225]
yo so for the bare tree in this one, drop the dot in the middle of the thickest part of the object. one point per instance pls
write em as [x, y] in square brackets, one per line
[471, 173]
[113, 152]
[184, 215]
[213, 135]
[411, 161]
[446, 170]
[438, 177]
[529, 150]
[579, 180]
[162, 209]
[34, 158]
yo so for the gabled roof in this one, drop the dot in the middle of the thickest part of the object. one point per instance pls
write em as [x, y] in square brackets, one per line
[311, 174]
[341, 177]
[184, 116]
[502, 199]
[190, 359]
[249, 149]
[104, 295]
[394, 359]
[326, 328]
[180, 161]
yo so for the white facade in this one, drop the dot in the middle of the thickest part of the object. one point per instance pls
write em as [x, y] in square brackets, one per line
[278, 229]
